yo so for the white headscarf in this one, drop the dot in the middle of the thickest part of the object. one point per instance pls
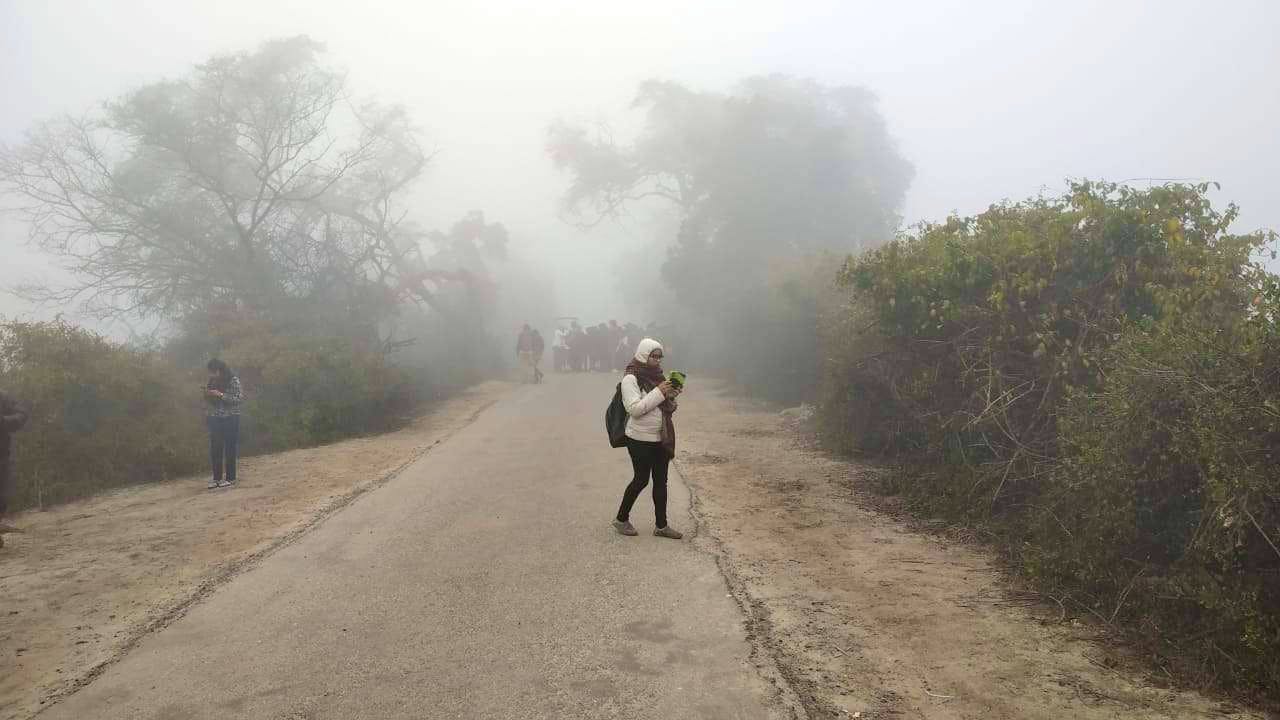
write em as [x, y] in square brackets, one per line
[647, 345]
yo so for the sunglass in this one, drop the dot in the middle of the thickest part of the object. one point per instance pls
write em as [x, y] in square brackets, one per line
[656, 356]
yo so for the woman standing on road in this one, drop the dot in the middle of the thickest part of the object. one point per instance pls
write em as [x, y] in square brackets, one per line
[650, 400]
[223, 395]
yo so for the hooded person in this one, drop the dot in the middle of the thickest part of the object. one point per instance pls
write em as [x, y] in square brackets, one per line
[650, 401]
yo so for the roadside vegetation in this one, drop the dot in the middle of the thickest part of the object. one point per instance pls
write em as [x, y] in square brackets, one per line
[1091, 381]
[251, 210]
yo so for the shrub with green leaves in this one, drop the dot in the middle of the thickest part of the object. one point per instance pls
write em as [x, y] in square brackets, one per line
[1163, 513]
[1088, 377]
[308, 391]
[306, 388]
[107, 415]
[978, 327]
[104, 415]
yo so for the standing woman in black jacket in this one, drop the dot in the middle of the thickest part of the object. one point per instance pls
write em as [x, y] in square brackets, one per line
[223, 396]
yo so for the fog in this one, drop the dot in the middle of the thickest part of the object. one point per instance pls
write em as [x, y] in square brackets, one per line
[988, 101]
[342, 215]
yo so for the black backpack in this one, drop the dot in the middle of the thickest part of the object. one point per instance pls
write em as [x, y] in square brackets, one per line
[615, 420]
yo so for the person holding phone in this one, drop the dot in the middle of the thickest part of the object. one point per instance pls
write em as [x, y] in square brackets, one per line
[223, 396]
[650, 400]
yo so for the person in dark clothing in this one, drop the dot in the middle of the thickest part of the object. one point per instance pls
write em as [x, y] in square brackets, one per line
[13, 415]
[560, 351]
[223, 396]
[577, 347]
[524, 352]
[539, 347]
[593, 347]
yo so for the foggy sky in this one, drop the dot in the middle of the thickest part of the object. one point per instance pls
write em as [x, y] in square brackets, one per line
[989, 100]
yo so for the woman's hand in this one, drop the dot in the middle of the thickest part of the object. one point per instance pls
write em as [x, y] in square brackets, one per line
[668, 390]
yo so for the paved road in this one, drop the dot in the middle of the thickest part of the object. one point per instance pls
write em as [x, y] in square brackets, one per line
[484, 582]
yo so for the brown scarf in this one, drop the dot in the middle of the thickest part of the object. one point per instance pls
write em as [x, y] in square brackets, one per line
[649, 378]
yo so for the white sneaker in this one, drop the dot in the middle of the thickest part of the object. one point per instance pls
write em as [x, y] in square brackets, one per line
[214, 484]
[226, 483]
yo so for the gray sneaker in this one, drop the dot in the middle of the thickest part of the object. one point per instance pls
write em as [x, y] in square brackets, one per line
[214, 484]
[226, 483]
[624, 527]
[668, 532]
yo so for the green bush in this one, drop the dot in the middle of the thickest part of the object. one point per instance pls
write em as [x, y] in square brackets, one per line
[104, 415]
[302, 386]
[308, 391]
[108, 415]
[1164, 509]
[981, 325]
[1087, 377]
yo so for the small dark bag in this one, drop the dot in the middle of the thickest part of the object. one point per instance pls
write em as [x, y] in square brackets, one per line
[615, 420]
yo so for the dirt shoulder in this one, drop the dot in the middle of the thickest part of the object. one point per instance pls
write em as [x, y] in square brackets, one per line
[90, 578]
[864, 615]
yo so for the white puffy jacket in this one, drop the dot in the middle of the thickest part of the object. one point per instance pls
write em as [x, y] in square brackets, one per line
[645, 421]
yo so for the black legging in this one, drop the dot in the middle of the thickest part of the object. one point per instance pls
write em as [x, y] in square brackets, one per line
[647, 458]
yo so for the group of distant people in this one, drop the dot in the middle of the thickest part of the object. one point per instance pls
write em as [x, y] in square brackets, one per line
[607, 347]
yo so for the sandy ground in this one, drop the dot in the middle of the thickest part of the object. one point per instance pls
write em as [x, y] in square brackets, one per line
[91, 578]
[863, 615]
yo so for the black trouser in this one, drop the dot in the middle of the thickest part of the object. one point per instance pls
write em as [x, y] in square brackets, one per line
[224, 440]
[647, 458]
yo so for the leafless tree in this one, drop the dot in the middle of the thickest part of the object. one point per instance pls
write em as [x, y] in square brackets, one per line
[255, 180]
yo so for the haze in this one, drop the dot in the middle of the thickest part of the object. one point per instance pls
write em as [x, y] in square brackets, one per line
[988, 101]
[310, 310]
